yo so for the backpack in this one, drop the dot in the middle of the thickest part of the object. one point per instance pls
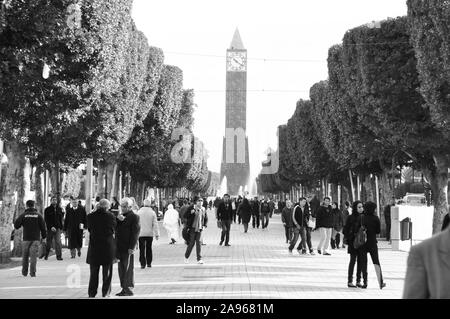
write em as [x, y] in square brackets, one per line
[360, 236]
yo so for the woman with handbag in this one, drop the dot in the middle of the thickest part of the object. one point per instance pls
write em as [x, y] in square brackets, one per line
[351, 228]
[371, 223]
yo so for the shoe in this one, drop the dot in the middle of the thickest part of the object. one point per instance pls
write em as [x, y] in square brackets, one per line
[122, 293]
[320, 252]
[358, 284]
[303, 252]
[351, 285]
[32, 275]
[72, 257]
[382, 285]
[290, 252]
[149, 266]
[364, 286]
[129, 293]
[326, 254]
[79, 253]
[24, 274]
[312, 253]
[143, 267]
[203, 244]
[186, 261]
[227, 245]
[200, 262]
[220, 244]
[106, 296]
[46, 257]
[59, 258]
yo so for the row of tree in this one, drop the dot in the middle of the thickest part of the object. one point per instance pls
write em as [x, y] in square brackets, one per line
[79, 81]
[386, 103]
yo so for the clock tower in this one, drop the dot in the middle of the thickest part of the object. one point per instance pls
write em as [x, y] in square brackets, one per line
[235, 157]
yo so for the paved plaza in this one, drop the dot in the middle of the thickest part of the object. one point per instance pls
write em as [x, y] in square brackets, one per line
[256, 266]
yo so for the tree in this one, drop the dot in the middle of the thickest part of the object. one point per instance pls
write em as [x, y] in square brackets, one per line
[429, 27]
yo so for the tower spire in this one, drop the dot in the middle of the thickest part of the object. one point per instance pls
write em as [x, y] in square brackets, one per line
[236, 43]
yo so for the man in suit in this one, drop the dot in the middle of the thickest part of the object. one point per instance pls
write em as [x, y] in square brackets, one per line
[127, 232]
[101, 252]
[225, 215]
[428, 270]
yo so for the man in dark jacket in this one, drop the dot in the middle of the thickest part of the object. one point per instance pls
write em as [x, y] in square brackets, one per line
[338, 225]
[286, 219]
[74, 226]
[264, 210]
[101, 252]
[225, 215]
[33, 228]
[255, 213]
[300, 218]
[324, 223]
[127, 235]
[196, 220]
[53, 216]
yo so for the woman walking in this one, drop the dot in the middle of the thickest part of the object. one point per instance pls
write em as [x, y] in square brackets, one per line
[286, 219]
[338, 224]
[356, 255]
[172, 223]
[244, 211]
[372, 224]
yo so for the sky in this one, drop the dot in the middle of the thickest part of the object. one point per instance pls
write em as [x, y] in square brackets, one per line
[287, 43]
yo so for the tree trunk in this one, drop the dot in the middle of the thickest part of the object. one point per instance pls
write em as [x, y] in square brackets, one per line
[39, 190]
[55, 187]
[23, 190]
[101, 179]
[368, 189]
[14, 174]
[438, 179]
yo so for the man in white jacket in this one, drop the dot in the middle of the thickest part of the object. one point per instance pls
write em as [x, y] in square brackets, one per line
[149, 229]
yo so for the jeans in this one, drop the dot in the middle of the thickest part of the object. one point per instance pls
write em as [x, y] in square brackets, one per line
[126, 270]
[335, 238]
[30, 250]
[288, 233]
[388, 231]
[255, 220]
[361, 269]
[194, 239]
[245, 227]
[58, 246]
[325, 237]
[93, 279]
[308, 239]
[145, 251]
[298, 232]
[265, 220]
[226, 225]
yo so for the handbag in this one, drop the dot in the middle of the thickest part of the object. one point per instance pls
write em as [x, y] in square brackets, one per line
[361, 236]
[312, 222]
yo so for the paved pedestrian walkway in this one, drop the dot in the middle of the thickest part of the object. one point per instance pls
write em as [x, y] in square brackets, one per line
[257, 265]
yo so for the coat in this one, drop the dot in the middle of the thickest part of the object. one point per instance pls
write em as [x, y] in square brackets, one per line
[350, 229]
[74, 219]
[53, 216]
[148, 222]
[324, 217]
[33, 225]
[127, 233]
[245, 211]
[172, 222]
[301, 216]
[224, 213]
[189, 216]
[428, 269]
[373, 228]
[338, 220]
[102, 226]
[286, 217]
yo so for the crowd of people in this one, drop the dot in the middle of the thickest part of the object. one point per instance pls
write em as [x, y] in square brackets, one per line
[117, 229]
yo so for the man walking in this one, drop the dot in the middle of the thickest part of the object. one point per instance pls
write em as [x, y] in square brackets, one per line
[311, 208]
[53, 216]
[149, 229]
[33, 227]
[255, 213]
[286, 219]
[225, 214]
[300, 220]
[101, 251]
[264, 211]
[324, 222]
[196, 220]
[74, 225]
[128, 228]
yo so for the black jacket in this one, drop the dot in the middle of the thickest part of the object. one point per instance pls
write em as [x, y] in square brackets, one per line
[245, 211]
[286, 217]
[101, 225]
[255, 207]
[264, 207]
[127, 233]
[301, 216]
[33, 225]
[189, 216]
[446, 222]
[373, 228]
[350, 229]
[224, 213]
[324, 217]
[53, 216]
[338, 219]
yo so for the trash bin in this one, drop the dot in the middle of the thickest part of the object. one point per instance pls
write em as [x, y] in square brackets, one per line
[406, 229]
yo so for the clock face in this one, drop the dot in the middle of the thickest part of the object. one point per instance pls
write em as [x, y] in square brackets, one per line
[237, 61]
